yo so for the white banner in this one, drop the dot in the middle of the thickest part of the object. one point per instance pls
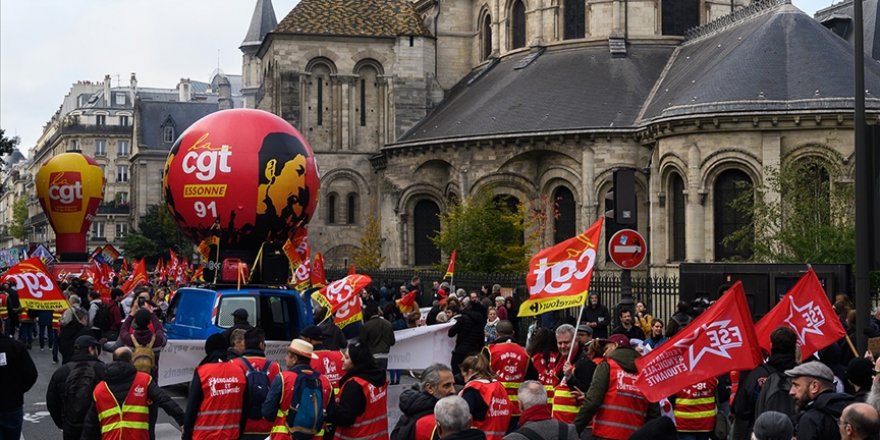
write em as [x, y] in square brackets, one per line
[417, 348]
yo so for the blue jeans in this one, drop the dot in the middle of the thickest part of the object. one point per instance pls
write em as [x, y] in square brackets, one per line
[10, 424]
[26, 332]
[44, 320]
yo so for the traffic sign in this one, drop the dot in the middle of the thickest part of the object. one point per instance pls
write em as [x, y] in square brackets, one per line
[627, 248]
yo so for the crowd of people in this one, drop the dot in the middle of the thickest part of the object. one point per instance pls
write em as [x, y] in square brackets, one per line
[554, 379]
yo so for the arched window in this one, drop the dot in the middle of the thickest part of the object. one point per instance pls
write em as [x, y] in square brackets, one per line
[320, 101]
[676, 211]
[487, 36]
[508, 203]
[352, 207]
[518, 24]
[730, 186]
[368, 107]
[331, 209]
[811, 184]
[679, 16]
[426, 224]
[564, 223]
[575, 17]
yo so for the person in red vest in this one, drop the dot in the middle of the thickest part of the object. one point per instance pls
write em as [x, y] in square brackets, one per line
[329, 362]
[122, 402]
[216, 397]
[255, 355]
[616, 407]
[361, 407]
[694, 409]
[417, 404]
[511, 365]
[279, 401]
[547, 360]
[486, 398]
[577, 372]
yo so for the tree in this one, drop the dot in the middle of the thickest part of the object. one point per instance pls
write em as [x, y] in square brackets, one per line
[369, 255]
[811, 221]
[488, 235]
[157, 234]
[7, 145]
[19, 217]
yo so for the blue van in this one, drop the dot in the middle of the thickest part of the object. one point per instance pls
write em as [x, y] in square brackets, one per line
[198, 313]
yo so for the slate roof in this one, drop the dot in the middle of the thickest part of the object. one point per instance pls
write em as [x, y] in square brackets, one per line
[563, 89]
[363, 18]
[778, 61]
[154, 114]
[870, 15]
[262, 22]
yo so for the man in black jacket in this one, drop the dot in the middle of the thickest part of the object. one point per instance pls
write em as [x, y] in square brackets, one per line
[597, 317]
[416, 404]
[17, 375]
[626, 326]
[812, 388]
[119, 377]
[468, 331]
[68, 406]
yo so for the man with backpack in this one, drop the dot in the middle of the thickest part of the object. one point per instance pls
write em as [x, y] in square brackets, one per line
[145, 335]
[299, 398]
[70, 389]
[812, 388]
[259, 373]
[216, 400]
[99, 314]
[17, 375]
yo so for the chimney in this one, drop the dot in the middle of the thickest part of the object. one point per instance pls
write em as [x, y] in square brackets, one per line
[107, 100]
[225, 91]
[133, 86]
[184, 90]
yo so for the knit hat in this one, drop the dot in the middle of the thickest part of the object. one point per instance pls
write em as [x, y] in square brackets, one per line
[860, 371]
[215, 342]
[773, 425]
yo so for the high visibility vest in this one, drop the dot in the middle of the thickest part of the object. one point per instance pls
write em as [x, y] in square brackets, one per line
[695, 407]
[280, 429]
[56, 319]
[260, 426]
[223, 388]
[624, 407]
[494, 425]
[4, 309]
[329, 364]
[509, 362]
[373, 423]
[734, 385]
[548, 368]
[565, 407]
[426, 428]
[131, 420]
[23, 315]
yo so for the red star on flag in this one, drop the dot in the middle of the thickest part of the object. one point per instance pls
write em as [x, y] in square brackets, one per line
[715, 338]
[806, 319]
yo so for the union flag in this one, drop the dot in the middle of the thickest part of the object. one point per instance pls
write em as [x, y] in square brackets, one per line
[807, 310]
[450, 271]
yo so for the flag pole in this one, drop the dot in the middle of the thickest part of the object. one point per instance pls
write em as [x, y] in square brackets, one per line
[574, 336]
[851, 346]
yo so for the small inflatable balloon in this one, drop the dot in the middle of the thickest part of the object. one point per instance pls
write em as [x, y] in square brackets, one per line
[70, 187]
[245, 175]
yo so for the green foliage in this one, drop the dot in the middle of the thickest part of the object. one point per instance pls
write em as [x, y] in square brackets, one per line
[488, 236]
[369, 255]
[156, 235]
[19, 216]
[804, 213]
[7, 145]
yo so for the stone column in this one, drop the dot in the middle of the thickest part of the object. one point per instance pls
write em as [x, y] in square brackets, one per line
[588, 191]
[695, 241]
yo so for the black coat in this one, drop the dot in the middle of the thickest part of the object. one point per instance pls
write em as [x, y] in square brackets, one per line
[819, 421]
[468, 330]
[414, 404]
[744, 401]
[55, 393]
[17, 373]
[600, 316]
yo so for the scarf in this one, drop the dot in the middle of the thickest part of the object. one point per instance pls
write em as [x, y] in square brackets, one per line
[536, 413]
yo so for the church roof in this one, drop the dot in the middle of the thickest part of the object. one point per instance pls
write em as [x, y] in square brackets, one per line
[776, 61]
[563, 89]
[843, 12]
[262, 22]
[361, 18]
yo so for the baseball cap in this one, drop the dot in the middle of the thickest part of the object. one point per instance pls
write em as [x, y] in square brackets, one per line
[620, 340]
[773, 425]
[85, 341]
[312, 332]
[585, 329]
[240, 314]
[813, 369]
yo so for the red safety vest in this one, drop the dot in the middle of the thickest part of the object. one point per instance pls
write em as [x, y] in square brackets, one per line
[547, 371]
[131, 420]
[4, 310]
[509, 362]
[261, 426]
[56, 319]
[498, 416]
[23, 315]
[373, 423]
[624, 407]
[223, 388]
[329, 364]
[280, 430]
[565, 407]
[426, 428]
[695, 407]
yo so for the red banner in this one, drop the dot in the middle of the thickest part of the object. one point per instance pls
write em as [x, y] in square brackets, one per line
[318, 277]
[720, 340]
[559, 276]
[36, 289]
[450, 271]
[341, 298]
[807, 310]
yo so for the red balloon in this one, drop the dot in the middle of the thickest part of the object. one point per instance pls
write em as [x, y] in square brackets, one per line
[245, 175]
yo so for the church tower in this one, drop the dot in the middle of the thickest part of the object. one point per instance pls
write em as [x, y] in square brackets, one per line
[262, 22]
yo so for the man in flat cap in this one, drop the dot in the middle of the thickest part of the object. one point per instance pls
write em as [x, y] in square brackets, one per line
[812, 388]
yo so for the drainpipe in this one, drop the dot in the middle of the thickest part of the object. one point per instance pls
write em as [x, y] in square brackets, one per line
[436, 39]
[625, 20]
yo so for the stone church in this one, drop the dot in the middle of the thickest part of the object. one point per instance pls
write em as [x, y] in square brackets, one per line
[411, 105]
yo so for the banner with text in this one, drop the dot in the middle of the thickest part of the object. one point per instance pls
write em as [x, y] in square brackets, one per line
[419, 347]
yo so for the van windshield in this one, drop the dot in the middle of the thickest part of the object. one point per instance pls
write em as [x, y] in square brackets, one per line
[229, 304]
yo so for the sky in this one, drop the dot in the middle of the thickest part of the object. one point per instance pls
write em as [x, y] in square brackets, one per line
[47, 45]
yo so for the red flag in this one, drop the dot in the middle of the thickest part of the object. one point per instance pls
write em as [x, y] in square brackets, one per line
[720, 340]
[407, 303]
[450, 271]
[36, 288]
[806, 309]
[351, 269]
[559, 276]
[297, 249]
[318, 277]
[338, 294]
[350, 314]
[302, 277]
[138, 276]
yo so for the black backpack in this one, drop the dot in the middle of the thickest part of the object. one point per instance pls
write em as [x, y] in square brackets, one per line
[406, 426]
[102, 318]
[774, 395]
[78, 392]
[257, 388]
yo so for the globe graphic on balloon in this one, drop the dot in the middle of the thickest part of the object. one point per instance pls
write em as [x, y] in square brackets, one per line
[245, 176]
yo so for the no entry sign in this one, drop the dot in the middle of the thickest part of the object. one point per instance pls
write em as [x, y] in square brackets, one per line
[627, 248]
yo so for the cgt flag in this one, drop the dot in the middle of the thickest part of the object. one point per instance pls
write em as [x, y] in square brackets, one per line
[720, 340]
[340, 294]
[450, 271]
[806, 309]
[36, 289]
[559, 276]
